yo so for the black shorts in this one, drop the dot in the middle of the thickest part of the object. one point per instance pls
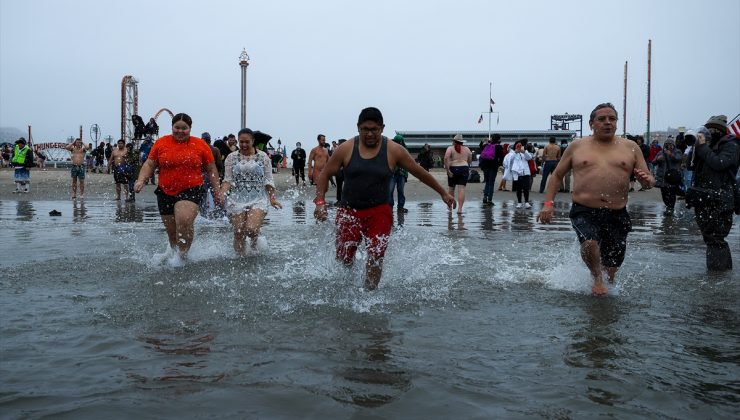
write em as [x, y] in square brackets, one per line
[120, 177]
[460, 176]
[166, 203]
[607, 227]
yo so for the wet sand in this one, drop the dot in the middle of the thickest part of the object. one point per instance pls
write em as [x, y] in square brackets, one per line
[54, 184]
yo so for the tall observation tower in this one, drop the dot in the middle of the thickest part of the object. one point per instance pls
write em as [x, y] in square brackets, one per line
[243, 63]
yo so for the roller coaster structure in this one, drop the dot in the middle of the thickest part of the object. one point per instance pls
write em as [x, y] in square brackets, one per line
[130, 107]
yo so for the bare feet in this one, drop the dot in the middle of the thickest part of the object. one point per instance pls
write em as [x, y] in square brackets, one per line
[599, 288]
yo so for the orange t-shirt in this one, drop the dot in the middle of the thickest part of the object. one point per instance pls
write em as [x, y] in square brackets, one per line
[181, 165]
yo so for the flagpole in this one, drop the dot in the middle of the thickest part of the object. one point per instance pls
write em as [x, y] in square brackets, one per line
[490, 98]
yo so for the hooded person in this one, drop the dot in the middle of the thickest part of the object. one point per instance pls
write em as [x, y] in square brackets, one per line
[668, 176]
[713, 193]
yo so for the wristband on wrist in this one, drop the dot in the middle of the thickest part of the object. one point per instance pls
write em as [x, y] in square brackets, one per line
[548, 203]
[319, 201]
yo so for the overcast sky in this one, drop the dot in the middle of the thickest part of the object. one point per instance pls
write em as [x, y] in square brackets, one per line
[315, 64]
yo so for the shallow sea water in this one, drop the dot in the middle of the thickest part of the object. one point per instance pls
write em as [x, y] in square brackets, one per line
[485, 316]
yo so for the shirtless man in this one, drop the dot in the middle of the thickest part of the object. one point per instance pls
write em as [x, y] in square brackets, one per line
[551, 156]
[120, 168]
[317, 159]
[602, 164]
[78, 151]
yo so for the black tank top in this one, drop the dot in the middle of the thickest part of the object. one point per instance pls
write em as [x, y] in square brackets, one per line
[366, 181]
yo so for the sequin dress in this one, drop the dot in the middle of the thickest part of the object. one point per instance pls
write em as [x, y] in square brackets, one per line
[248, 176]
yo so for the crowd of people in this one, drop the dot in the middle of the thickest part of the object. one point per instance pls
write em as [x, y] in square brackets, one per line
[370, 171]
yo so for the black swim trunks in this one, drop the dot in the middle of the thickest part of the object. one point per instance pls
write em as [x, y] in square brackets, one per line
[166, 203]
[606, 226]
[460, 176]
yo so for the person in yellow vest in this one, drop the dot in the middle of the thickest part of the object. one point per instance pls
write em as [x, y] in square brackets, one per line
[22, 160]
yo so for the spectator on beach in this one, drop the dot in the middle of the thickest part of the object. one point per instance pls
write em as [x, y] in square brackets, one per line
[298, 156]
[368, 160]
[108, 154]
[533, 170]
[550, 158]
[317, 159]
[502, 185]
[41, 159]
[598, 214]
[457, 164]
[181, 159]
[222, 147]
[425, 157]
[78, 155]
[5, 154]
[144, 149]
[668, 175]
[249, 190]
[398, 180]
[89, 160]
[99, 157]
[22, 162]
[686, 164]
[655, 148]
[716, 158]
[566, 179]
[231, 144]
[208, 207]
[516, 163]
[487, 164]
[133, 163]
[119, 164]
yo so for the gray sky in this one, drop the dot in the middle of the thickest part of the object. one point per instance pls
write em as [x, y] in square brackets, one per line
[315, 64]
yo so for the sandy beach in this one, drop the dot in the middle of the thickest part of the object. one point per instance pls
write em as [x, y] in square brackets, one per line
[54, 184]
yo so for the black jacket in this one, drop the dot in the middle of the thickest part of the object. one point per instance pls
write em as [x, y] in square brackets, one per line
[716, 163]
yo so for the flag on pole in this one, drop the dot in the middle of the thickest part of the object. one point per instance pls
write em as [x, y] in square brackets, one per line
[480, 119]
[497, 119]
[734, 126]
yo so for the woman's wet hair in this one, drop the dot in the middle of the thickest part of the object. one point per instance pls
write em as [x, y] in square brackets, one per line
[246, 131]
[182, 117]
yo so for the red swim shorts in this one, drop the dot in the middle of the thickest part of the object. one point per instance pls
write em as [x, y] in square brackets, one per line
[374, 224]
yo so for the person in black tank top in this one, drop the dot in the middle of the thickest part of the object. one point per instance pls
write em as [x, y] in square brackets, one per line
[368, 162]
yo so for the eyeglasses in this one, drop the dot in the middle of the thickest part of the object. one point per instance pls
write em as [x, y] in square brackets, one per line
[365, 130]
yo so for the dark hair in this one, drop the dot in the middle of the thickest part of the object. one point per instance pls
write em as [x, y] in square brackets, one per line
[251, 134]
[552, 139]
[496, 137]
[320, 136]
[601, 106]
[182, 117]
[370, 114]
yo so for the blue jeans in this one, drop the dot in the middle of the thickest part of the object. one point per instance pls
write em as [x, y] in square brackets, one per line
[547, 169]
[688, 176]
[398, 181]
[490, 176]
